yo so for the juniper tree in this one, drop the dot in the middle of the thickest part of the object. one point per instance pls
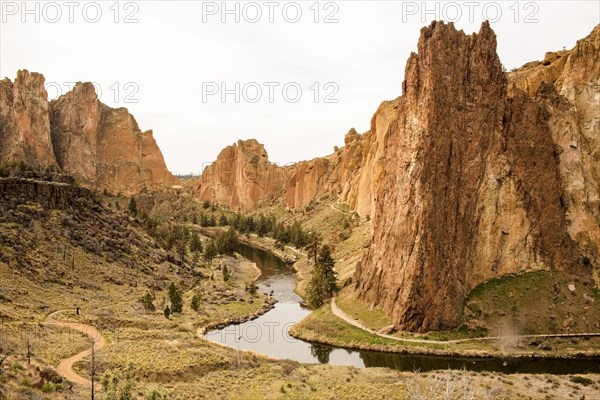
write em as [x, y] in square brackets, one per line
[175, 298]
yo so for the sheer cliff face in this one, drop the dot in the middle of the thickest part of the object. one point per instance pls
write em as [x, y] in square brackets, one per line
[24, 122]
[476, 183]
[347, 175]
[568, 83]
[102, 147]
[241, 177]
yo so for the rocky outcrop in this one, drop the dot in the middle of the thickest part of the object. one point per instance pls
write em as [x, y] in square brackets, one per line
[49, 192]
[24, 122]
[347, 175]
[242, 177]
[474, 184]
[102, 147]
[568, 84]
[75, 120]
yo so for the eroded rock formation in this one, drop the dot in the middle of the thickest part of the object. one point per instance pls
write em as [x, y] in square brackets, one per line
[24, 122]
[102, 147]
[241, 177]
[475, 183]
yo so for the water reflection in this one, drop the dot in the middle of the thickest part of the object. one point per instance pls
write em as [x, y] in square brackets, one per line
[321, 352]
[269, 335]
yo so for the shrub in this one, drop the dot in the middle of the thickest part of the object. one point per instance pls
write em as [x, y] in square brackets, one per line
[118, 384]
[147, 302]
[26, 381]
[251, 288]
[156, 394]
[581, 380]
[47, 388]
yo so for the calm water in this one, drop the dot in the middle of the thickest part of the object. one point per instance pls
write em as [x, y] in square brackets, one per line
[268, 335]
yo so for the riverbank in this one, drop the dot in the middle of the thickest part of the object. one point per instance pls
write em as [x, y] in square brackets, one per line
[322, 326]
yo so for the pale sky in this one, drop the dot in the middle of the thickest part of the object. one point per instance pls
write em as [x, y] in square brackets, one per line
[172, 55]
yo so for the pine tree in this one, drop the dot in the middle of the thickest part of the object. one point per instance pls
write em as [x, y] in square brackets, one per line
[226, 242]
[175, 298]
[323, 279]
[167, 312]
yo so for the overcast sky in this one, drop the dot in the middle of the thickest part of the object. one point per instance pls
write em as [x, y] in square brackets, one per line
[167, 61]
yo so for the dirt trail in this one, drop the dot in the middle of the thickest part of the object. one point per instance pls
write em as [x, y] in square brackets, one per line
[340, 314]
[65, 367]
[352, 321]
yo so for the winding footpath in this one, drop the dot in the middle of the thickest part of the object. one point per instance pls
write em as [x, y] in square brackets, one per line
[354, 322]
[65, 367]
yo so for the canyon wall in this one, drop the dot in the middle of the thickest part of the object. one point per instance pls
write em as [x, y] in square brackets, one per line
[102, 147]
[243, 178]
[472, 173]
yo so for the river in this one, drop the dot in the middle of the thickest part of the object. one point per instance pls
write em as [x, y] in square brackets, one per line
[268, 335]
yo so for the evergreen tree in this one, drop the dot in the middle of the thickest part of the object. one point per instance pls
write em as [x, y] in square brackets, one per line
[167, 312]
[212, 220]
[226, 242]
[195, 305]
[132, 206]
[195, 243]
[175, 298]
[203, 220]
[147, 302]
[223, 220]
[226, 274]
[211, 251]
[323, 279]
